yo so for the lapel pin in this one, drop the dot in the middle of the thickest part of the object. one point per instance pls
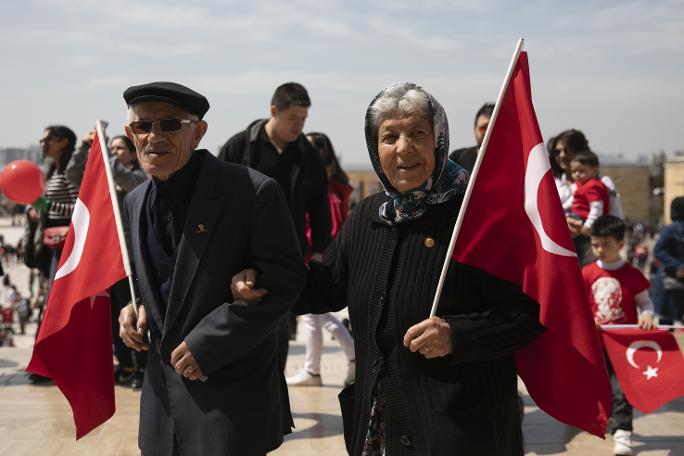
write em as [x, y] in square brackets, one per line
[201, 229]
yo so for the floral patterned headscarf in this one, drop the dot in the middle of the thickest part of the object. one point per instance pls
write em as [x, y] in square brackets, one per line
[447, 180]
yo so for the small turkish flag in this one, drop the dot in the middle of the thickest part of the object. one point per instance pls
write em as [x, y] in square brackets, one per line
[74, 344]
[648, 365]
[515, 229]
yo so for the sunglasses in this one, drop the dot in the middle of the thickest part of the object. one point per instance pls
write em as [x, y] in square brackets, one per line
[165, 126]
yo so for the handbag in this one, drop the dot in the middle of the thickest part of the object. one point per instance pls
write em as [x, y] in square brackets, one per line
[55, 237]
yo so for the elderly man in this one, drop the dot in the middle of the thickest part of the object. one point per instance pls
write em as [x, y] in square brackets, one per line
[212, 383]
[276, 147]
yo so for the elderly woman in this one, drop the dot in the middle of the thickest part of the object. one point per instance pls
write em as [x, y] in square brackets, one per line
[424, 386]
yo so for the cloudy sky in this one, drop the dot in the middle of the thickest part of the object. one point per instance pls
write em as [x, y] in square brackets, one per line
[614, 69]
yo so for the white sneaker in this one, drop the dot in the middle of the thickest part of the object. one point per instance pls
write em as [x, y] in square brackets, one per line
[351, 373]
[304, 378]
[622, 443]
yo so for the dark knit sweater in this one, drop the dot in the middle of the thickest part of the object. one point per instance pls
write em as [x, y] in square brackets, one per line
[461, 404]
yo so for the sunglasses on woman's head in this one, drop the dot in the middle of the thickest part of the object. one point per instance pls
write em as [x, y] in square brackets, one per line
[165, 126]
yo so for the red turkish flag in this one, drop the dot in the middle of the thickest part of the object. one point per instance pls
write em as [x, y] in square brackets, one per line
[74, 344]
[648, 365]
[514, 228]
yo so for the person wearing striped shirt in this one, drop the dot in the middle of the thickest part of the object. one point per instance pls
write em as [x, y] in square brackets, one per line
[56, 207]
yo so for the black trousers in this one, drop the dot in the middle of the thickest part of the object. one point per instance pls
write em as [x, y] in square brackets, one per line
[623, 411]
[283, 339]
[176, 451]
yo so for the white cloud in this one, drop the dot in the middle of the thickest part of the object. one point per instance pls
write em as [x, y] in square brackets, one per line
[84, 59]
[330, 27]
[404, 33]
[435, 5]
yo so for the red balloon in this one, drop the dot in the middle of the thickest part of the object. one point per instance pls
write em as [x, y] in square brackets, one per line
[22, 181]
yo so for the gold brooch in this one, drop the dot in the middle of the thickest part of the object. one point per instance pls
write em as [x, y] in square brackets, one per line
[429, 242]
[201, 229]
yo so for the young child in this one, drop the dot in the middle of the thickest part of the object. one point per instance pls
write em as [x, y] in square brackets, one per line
[618, 294]
[591, 198]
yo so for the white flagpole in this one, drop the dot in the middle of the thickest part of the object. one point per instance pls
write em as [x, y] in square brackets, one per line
[473, 176]
[637, 327]
[100, 126]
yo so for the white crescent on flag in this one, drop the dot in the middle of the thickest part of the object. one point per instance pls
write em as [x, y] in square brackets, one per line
[537, 166]
[80, 220]
[637, 344]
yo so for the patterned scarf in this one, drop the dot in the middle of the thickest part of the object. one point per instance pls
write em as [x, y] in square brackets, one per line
[447, 180]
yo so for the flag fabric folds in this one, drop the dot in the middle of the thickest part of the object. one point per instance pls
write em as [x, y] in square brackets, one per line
[74, 343]
[648, 364]
[514, 227]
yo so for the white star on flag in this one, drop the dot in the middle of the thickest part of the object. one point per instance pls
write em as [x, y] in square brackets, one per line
[650, 372]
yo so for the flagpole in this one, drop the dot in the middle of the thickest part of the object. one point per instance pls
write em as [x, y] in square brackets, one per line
[604, 327]
[473, 175]
[100, 126]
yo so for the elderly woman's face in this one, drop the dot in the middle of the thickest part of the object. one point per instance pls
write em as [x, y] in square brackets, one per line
[406, 145]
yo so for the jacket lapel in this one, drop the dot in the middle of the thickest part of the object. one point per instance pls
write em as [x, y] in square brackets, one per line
[145, 274]
[199, 228]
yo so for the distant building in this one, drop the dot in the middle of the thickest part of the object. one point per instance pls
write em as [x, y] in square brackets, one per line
[674, 183]
[364, 180]
[632, 180]
[10, 154]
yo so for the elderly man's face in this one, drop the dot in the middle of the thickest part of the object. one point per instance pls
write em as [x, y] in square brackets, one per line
[406, 145]
[160, 153]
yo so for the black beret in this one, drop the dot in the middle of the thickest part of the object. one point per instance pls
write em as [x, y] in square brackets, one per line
[168, 92]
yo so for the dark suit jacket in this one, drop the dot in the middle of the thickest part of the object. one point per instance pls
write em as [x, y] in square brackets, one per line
[237, 219]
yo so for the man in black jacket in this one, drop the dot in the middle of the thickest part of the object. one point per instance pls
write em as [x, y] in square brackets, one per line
[213, 385]
[466, 156]
[277, 148]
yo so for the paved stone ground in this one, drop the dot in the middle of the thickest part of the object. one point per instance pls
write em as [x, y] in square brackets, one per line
[36, 420]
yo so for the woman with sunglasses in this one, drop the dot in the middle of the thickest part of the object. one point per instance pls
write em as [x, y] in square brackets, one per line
[55, 209]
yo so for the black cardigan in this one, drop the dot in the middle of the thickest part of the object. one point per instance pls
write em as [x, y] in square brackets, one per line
[461, 404]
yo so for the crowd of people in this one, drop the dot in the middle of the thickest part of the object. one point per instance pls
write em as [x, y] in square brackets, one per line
[228, 250]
